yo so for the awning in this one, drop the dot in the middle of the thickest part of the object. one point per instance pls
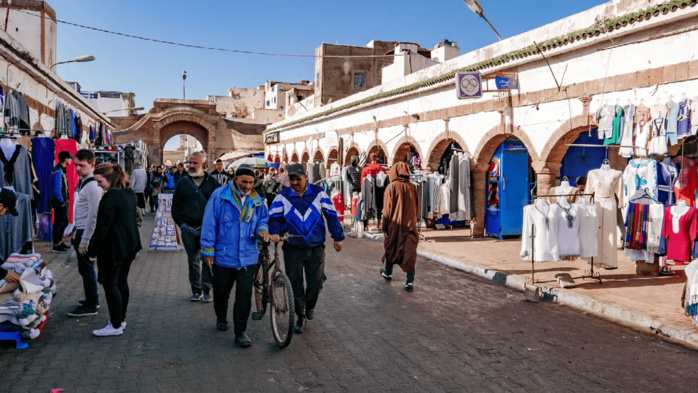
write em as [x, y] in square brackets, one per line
[233, 155]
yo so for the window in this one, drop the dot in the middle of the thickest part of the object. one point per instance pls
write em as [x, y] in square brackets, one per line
[359, 80]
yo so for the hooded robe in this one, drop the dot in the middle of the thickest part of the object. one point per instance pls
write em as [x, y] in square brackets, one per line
[400, 217]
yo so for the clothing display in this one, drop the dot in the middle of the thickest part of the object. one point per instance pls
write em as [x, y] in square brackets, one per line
[536, 221]
[604, 118]
[16, 232]
[680, 231]
[685, 186]
[684, 120]
[588, 229]
[16, 113]
[640, 174]
[642, 137]
[564, 220]
[606, 185]
[71, 147]
[667, 173]
[15, 169]
[672, 122]
[658, 142]
[691, 294]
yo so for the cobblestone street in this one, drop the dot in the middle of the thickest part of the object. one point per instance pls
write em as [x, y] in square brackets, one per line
[453, 333]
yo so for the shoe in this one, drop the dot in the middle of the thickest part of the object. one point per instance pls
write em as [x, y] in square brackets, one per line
[195, 297]
[109, 330]
[300, 325]
[409, 287]
[222, 325]
[310, 314]
[123, 325]
[82, 303]
[82, 311]
[58, 250]
[243, 341]
[207, 298]
[64, 246]
[385, 275]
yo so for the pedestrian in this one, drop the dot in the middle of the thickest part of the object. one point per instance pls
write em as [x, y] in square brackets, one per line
[8, 204]
[157, 181]
[233, 213]
[352, 175]
[231, 172]
[171, 180]
[139, 178]
[188, 205]
[271, 185]
[220, 174]
[148, 192]
[115, 242]
[400, 215]
[259, 184]
[283, 179]
[298, 210]
[180, 173]
[89, 194]
[59, 200]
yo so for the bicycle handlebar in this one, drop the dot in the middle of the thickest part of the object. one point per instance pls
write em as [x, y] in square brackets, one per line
[283, 238]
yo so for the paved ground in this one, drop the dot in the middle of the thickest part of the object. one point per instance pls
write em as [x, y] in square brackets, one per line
[453, 333]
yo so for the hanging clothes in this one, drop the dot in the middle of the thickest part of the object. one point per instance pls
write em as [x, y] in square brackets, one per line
[11, 113]
[368, 198]
[564, 221]
[435, 181]
[667, 173]
[142, 153]
[129, 159]
[15, 232]
[77, 135]
[683, 129]
[536, 221]
[465, 202]
[685, 186]
[672, 123]
[658, 143]
[15, 170]
[588, 229]
[636, 235]
[23, 116]
[642, 137]
[680, 231]
[335, 170]
[691, 294]
[694, 117]
[626, 133]
[614, 139]
[640, 173]
[453, 181]
[43, 149]
[564, 190]
[606, 187]
[604, 118]
[93, 135]
[71, 146]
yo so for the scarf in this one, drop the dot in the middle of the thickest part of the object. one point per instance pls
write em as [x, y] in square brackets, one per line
[253, 200]
[654, 227]
[636, 235]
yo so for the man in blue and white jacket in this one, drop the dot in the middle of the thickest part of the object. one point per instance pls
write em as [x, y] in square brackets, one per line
[58, 184]
[299, 210]
[233, 214]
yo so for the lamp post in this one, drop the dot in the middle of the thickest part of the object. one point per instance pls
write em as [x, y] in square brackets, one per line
[80, 59]
[475, 6]
[136, 109]
[184, 90]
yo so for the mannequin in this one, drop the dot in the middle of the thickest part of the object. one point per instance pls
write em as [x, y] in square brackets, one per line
[605, 168]
[681, 206]
[8, 147]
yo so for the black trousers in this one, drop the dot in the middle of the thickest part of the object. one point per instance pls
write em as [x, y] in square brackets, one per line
[312, 261]
[60, 222]
[224, 279]
[115, 283]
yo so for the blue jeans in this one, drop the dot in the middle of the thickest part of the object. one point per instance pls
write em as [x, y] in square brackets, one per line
[86, 268]
[200, 274]
[410, 276]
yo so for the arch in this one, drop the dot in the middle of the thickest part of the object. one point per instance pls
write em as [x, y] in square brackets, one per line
[331, 158]
[277, 160]
[185, 128]
[181, 120]
[318, 155]
[353, 150]
[376, 146]
[403, 146]
[270, 158]
[556, 148]
[438, 147]
[493, 138]
[305, 157]
[294, 158]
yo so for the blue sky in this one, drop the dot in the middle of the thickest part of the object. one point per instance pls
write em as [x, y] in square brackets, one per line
[154, 70]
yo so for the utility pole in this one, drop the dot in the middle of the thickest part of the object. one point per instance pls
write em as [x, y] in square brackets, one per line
[184, 88]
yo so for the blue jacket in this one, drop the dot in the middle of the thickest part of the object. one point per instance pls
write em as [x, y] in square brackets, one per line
[170, 185]
[302, 215]
[58, 185]
[226, 233]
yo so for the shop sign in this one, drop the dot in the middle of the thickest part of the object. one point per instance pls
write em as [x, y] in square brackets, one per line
[506, 80]
[514, 146]
[468, 85]
[272, 137]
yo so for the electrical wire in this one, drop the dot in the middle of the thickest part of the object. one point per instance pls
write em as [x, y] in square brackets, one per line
[247, 52]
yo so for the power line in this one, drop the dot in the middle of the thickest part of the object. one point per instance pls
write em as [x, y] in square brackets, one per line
[248, 52]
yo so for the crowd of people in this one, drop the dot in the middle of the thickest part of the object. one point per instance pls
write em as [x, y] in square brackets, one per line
[217, 213]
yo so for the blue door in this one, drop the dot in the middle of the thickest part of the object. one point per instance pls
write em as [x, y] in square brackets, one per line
[515, 191]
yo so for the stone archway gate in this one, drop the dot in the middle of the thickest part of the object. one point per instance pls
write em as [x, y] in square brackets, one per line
[198, 118]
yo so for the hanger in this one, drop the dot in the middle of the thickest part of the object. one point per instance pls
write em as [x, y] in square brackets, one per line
[645, 195]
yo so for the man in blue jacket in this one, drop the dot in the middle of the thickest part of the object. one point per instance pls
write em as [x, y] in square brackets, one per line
[58, 184]
[233, 215]
[298, 210]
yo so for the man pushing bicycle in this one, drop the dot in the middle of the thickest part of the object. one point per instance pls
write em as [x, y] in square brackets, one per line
[299, 210]
[233, 215]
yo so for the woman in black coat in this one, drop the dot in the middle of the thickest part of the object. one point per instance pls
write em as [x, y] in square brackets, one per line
[115, 242]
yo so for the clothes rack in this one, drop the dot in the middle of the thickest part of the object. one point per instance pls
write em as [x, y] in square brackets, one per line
[587, 273]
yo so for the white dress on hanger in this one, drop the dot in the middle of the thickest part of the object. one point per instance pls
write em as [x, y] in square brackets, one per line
[641, 173]
[588, 229]
[658, 144]
[545, 242]
[626, 141]
[642, 137]
[606, 186]
[565, 224]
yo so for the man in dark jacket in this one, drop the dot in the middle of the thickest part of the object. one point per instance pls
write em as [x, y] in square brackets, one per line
[59, 201]
[353, 175]
[221, 176]
[180, 173]
[188, 205]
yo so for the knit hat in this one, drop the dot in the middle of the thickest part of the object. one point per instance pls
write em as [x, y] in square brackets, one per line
[8, 198]
[244, 169]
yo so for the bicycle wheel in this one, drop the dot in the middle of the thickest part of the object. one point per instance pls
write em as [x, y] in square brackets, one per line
[282, 315]
[260, 300]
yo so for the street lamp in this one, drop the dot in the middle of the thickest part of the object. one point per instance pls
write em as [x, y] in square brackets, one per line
[80, 59]
[136, 109]
[475, 6]
[184, 90]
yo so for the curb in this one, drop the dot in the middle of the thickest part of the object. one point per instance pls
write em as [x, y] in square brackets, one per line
[628, 316]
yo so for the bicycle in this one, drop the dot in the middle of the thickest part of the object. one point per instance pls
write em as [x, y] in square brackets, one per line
[272, 286]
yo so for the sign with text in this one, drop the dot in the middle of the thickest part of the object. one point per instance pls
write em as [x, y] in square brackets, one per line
[272, 137]
[506, 80]
[468, 85]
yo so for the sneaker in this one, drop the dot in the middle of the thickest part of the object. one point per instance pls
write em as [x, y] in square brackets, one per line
[222, 325]
[243, 340]
[64, 246]
[310, 314]
[409, 287]
[123, 325]
[195, 297]
[58, 250]
[82, 311]
[385, 275]
[82, 303]
[109, 330]
[207, 298]
[300, 325]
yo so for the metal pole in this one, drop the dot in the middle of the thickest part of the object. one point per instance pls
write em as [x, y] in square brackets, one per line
[482, 15]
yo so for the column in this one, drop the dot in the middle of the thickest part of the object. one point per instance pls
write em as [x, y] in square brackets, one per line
[479, 177]
[546, 175]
